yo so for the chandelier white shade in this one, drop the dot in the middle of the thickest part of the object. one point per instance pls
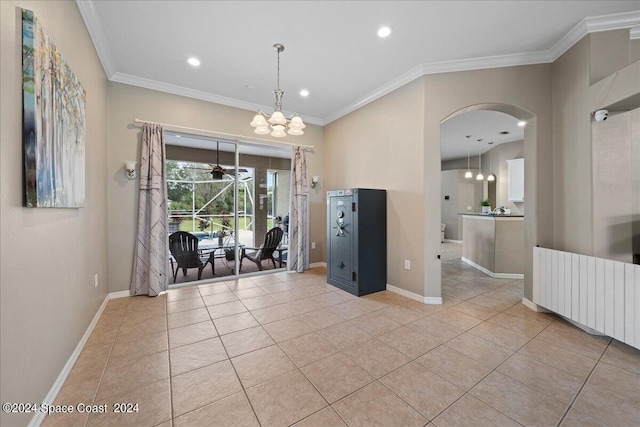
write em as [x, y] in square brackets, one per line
[276, 124]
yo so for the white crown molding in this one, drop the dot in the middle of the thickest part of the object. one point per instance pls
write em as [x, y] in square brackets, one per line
[199, 94]
[595, 24]
[442, 67]
[92, 23]
[381, 91]
[584, 27]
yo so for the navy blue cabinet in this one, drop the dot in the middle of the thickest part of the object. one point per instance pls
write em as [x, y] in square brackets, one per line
[357, 240]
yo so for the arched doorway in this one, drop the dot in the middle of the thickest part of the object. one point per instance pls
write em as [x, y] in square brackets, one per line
[536, 190]
[482, 208]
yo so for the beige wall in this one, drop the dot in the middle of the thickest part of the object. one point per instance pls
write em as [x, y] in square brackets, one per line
[495, 161]
[463, 193]
[385, 134]
[616, 189]
[129, 102]
[574, 100]
[381, 146]
[48, 257]
[523, 92]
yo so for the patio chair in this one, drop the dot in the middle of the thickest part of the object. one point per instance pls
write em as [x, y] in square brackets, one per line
[184, 249]
[265, 252]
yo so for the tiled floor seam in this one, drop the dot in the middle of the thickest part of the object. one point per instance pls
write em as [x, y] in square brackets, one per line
[166, 317]
[584, 384]
[467, 392]
[104, 368]
[234, 371]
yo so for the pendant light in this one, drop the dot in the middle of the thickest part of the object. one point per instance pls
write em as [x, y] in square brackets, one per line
[479, 177]
[468, 173]
[492, 176]
[276, 123]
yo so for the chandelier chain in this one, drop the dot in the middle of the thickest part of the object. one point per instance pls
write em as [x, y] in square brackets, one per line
[278, 73]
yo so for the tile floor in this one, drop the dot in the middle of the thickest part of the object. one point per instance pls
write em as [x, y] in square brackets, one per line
[288, 349]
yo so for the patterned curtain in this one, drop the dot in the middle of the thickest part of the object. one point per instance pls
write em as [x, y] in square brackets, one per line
[298, 257]
[150, 259]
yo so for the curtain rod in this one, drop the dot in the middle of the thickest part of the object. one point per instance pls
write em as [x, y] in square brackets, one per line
[231, 136]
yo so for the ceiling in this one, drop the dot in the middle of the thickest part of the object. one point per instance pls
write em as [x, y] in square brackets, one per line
[332, 48]
[483, 127]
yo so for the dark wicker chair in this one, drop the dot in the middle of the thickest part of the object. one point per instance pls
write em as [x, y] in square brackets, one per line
[184, 249]
[265, 252]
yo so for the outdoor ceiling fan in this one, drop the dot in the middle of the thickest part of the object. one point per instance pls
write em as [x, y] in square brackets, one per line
[217, 171]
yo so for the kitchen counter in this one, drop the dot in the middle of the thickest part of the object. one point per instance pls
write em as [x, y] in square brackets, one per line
[494, 244]
[491, 215]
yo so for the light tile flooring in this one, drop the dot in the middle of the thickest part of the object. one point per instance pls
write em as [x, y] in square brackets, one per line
[289, 349]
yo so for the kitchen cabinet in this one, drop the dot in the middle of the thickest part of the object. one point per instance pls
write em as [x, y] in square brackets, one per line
[516, 180]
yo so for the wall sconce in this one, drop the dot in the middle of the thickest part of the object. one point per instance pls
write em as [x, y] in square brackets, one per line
[314, 181]
[130, 169]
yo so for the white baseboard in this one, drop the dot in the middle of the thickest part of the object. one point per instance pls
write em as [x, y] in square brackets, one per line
[432, 300]
[491, 273]
[533, 306]
[119, 294]
[413, 295]
[62, 377]
[317, 264]
[452, 241]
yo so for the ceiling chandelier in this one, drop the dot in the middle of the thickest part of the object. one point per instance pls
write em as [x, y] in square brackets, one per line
[276, 123]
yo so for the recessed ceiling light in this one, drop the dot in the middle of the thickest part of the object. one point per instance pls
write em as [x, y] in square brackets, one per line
[249, 87]
[522, 123]
[384, 32]
[193, 61]
[304, 92]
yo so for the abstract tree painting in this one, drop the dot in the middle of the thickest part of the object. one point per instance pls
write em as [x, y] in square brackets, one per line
[53, 122]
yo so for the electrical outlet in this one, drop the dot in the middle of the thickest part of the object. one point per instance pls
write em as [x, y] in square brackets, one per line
[313, 245]
[407, 264]
[469, 208]
[95, 281]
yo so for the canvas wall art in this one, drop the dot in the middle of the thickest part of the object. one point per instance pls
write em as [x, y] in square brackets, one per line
[53, 122]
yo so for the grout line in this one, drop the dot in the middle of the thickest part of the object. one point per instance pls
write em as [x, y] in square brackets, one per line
[234, 367]
[166, 318]
[584, 384]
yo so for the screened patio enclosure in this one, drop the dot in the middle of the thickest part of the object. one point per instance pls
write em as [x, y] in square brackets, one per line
[204, 204]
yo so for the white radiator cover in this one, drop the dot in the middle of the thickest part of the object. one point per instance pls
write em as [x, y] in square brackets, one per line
[601, 294]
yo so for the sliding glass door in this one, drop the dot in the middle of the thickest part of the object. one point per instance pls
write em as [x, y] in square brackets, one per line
[227, 196]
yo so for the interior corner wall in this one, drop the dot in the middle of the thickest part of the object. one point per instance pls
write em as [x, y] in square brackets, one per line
[616, 193]
[575, 98]
[381, 145]
[129, 102]
[48, 256]
[525, 88]
[573, 209]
